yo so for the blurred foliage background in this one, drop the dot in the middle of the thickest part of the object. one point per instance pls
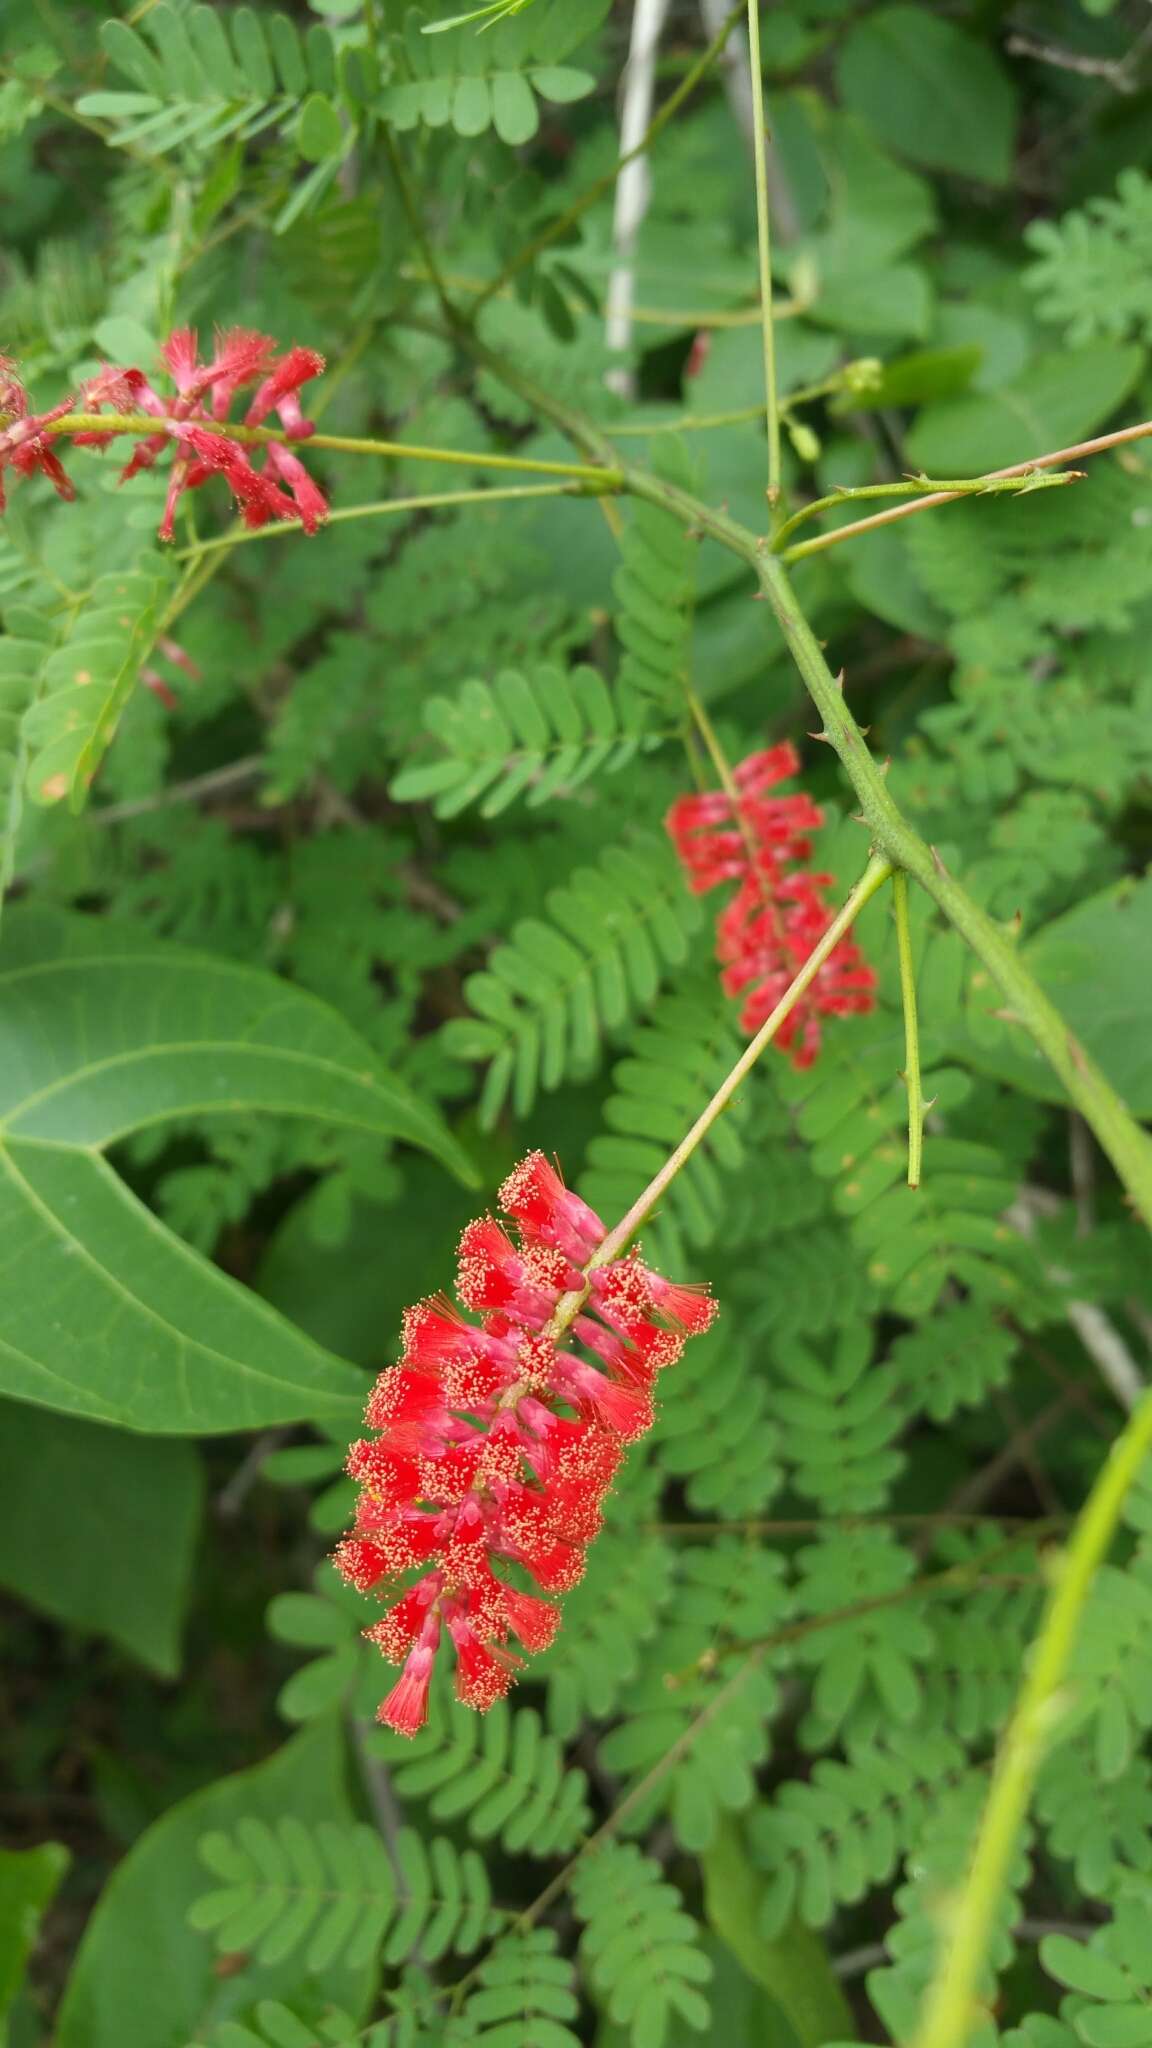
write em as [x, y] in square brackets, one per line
[407, 780]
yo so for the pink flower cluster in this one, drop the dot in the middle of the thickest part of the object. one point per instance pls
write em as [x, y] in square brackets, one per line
[778, 914]
[188, 421]
[497, 1444]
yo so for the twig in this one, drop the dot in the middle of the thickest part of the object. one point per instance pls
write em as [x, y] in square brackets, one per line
[1028, 480]
[234, 775]
[426, 501]
[764, 252]
[1095, 447]
[235, 1490]
[911, 1028]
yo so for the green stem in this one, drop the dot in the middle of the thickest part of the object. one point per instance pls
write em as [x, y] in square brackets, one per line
[911, 1028]
[420, 233]
[617, 1240]
[950, 2008]
[527, 255]
[764, 249]
[910, 487]
[382, 507]
[1128, 1147]
[344, 444]
[1097, 446]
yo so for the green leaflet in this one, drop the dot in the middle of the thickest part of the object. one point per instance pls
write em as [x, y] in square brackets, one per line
[29, 1879]
[476, 82]
[932, 92]
[87, 679]
[143, 1331]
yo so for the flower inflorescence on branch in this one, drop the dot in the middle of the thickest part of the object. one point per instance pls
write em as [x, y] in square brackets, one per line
[778, 912]
[497, 1444]
[192, 422]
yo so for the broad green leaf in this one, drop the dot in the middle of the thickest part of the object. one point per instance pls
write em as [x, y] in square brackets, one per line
[1058, 399]
[115, 1319]
[96, 1043]
[931, 92]
[794, 1967]
[142, 1974]
[28, 1881]
[1096, 965]
[99, 1566]
[97, 1040]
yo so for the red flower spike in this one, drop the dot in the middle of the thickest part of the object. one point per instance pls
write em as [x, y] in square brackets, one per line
[768, 930]
[204, 394]
[481, 1462]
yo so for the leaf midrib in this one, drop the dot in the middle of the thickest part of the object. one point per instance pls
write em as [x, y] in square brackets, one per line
[205, 1272]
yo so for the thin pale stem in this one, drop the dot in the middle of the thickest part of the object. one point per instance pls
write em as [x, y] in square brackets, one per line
[716, 754]
[912, 1079]
[950, 2009]
[618, 1240]
[910, 487]
[971, 1577]
[764, 252]
[419, 232]
[1128, 1147]
[1095, 447]
[873, 878]
[344, 444]
[382, 508]
[563, 222]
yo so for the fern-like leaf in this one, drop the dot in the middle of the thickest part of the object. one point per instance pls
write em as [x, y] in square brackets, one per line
[455, 79]
[608, 1618]
[640, 1948]
[273, 2025]
[548, 995]
[833, 1838]
[334, 1892]
[655, 588]
[726, 1595]
[538, 735]
[501, 1774]
[525, 1997]
[1093, 273]
[838, 1421]
[204, 76]
[941, 1852]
